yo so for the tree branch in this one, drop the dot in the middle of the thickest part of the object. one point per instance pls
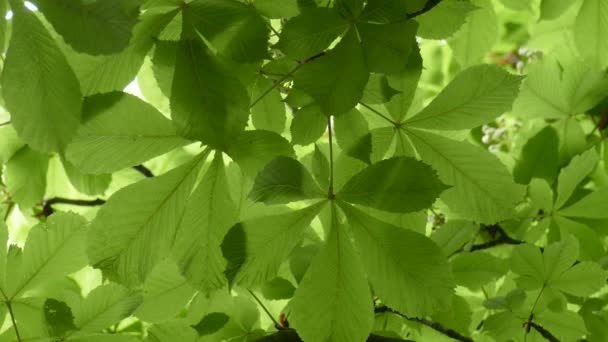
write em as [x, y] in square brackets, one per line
[290, 335]
[47, 205]
[143, 170]
[502, 239]
[5, 123]
[431, 324]
[544, 332]
[429, 6]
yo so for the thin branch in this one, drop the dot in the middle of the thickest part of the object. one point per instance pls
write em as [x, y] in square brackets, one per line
[379, 114]
[503, 239]
[285, 77]
[544, 332]
[276, 323]
[5, 123]
[12, 314]
[330, 192]
[47, 205]
[429, 6]
[431, 324]
[290, 335]
[143, 170]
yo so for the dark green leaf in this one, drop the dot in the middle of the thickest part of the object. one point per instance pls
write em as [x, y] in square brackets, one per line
[398, 185]
[539, 158]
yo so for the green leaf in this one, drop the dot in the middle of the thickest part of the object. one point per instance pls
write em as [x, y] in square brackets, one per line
[590, 26]
[593, 205]
[40, 89]
[320, 168]
[211, 323]
[165, 294]
[105, 305]
[583, 279]
[308, 125]
[337, 80]
[311, 32]
[136, 227]
[551, 9]
[353, 135]
[573, 174]
[351, 9]
[25, 177]
[540, 94]
[277, 10]
[406, 82]
[208, 103]
[477, 36]
[52, 250]
[333, 301]
[387, 11]
[176, 330]
[399, 185]
[85, 183]
[253, 150]
[444, 19]
[268, 113]
[566, 325]
[98, 27]
[106, 73]
[209, 213]
[278, 288]
[476, 96]
[407, 270]
[483, 190]
[119, 131]
[476, 269]
[10, 142]
[527, 261]
[58, 316]
[267, 242]
[284, 180]
[236, 30]
[454, 234]
[387, 47]
[378, 90]
[539, 158]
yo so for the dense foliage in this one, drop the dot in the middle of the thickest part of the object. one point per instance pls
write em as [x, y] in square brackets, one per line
[304, 170]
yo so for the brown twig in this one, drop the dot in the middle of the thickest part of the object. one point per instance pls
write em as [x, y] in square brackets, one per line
[47, 205]
[431, 324]
[143, 170]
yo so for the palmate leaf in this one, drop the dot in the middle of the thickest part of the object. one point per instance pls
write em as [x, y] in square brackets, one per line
[387, 46]
[333, 302]
[39, 87]
[398, 185]
[592, 24]
[476, 96]
[208, 103]
[209, 213]
[476, 269]
[104, 306]
[337, 80]
[477, 36]
[52, 250]
[25, 176]
[107, 73]
[256, 248]
[593, 205]
[166, 292]
[408, 271]
[554, 268]
[135, 228]
[539, 158]
[119, 131]
[284, 180]
[98, 27]
[571, 175]
[444, 19]
[483, 190]
[311, 32]
[236, 30]
[551, 9]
